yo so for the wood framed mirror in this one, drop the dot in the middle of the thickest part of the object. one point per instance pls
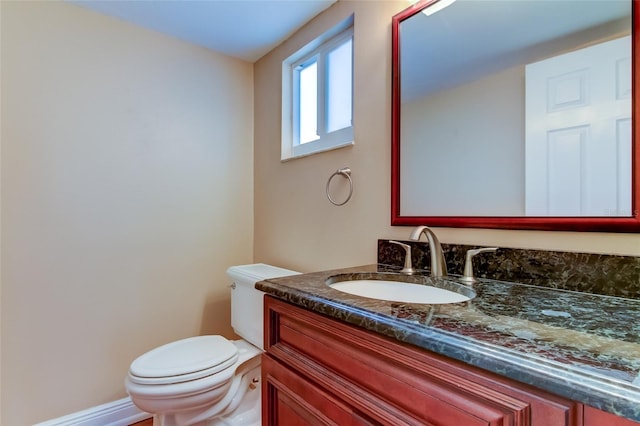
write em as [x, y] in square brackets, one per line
[516, 115]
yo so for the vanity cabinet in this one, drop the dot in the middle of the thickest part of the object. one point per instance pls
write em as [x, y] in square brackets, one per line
[319, 371]
[595, 417]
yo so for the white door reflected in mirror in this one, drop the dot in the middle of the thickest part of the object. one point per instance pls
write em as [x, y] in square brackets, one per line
[578, 132]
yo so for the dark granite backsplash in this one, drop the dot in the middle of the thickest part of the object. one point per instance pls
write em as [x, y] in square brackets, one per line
[590, 273]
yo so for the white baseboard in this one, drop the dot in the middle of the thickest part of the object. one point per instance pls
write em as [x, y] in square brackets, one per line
[117, 413]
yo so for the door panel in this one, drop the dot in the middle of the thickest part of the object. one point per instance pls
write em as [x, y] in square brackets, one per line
[578, 135]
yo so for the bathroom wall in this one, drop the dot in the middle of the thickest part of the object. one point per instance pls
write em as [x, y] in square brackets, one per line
[127, 190]
[297, 227]
[473, 136]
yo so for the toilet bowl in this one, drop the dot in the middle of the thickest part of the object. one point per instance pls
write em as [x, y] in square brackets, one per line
[209, 380]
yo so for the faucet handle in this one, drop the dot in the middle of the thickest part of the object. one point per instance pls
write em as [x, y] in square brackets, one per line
[408, 267]
[468, 264]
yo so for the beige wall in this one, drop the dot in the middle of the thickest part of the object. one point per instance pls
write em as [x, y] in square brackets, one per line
[296, 226]
[474, 121]
[127, 191]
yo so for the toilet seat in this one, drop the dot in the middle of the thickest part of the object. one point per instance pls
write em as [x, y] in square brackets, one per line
[184, 360]
[191, 394]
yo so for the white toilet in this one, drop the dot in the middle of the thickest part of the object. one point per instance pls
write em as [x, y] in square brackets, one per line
[209, 380]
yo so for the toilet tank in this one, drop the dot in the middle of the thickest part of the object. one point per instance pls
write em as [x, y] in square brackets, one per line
[247, 302]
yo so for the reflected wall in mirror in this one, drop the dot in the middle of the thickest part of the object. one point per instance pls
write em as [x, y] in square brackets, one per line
[516, 114]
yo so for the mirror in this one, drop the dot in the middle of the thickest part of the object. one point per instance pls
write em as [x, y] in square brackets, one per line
[516, 114]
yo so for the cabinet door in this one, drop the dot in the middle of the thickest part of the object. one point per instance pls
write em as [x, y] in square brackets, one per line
[290, 400]
[595, 417]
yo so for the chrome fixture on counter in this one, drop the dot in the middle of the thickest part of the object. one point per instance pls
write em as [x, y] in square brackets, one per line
[438, 264]
[468, 264]
[408, 266]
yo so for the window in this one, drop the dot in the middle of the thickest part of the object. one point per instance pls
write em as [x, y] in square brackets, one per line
[317, 95]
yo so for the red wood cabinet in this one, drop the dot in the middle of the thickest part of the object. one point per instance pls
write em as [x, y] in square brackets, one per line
[595, 417]
[319, 371]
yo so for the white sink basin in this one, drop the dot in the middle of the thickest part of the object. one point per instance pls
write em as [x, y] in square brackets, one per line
[399, 291]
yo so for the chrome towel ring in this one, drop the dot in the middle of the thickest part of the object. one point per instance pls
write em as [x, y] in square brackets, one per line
[346, 172]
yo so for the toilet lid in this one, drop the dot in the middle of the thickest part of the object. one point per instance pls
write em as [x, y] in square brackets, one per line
[186, 359]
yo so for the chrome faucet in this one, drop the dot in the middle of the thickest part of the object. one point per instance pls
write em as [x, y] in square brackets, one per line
[438, 265]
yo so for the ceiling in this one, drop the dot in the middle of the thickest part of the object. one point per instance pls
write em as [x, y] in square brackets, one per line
[245, 29]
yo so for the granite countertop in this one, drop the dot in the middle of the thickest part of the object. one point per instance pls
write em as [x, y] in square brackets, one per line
[581, 346]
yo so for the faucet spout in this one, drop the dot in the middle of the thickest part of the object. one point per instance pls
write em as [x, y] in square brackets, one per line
[438, 264]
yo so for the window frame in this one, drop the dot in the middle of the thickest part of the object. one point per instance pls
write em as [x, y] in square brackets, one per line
[317, 52]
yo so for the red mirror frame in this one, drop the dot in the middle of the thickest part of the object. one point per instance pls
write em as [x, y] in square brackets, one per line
[601, 224]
